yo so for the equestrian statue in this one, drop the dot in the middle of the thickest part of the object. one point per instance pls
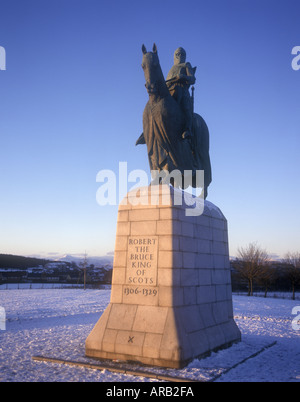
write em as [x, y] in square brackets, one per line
[177, 139]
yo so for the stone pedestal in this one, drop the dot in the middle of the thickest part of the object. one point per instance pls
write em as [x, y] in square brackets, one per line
[171, 289]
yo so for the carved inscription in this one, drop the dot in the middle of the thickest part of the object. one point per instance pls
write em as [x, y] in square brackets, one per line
[141, 270]
[142, 261]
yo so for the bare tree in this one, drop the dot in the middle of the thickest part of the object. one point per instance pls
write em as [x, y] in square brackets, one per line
[292, 261]
[267, 276]
[251, 264]
[83, 265]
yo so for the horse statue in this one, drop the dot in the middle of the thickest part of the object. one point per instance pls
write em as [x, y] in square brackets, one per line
[163, 125]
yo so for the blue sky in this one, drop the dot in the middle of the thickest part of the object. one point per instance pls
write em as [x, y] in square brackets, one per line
[72, 99]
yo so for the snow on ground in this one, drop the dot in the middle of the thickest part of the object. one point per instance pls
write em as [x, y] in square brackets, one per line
[56, 322]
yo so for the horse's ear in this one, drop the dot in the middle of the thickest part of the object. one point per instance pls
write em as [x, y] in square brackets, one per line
[154, 48]
[144, 50]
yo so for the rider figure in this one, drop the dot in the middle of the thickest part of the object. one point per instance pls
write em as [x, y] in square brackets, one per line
[179, 79]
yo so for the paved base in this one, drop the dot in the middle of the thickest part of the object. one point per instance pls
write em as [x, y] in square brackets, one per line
[171, 288]
[206, 374]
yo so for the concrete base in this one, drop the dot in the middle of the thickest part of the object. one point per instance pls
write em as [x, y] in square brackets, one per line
[171, 289]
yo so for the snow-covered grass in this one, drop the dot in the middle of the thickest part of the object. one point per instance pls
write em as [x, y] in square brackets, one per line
[276, 295]
[56, 322]
[10, 286]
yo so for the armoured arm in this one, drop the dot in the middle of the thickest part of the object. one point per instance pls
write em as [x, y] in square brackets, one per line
[189, 77]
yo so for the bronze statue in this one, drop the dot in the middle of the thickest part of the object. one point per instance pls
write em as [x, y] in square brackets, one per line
[166, 126]
[179, 79]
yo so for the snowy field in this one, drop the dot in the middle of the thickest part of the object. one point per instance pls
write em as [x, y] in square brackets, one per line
[55, 323]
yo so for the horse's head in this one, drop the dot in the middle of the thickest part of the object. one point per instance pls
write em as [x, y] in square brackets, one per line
[152, 70]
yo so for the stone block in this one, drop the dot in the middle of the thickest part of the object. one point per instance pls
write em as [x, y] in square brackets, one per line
[168, 214]
[219, 248]
[121, 243]
[189, 295]
[189, 277]
[220, 312]
[118, 277]
[109, 340]
[206, 313]
[169, 243]
[94, 340]
[231, 332]
[188, 259]
[169, 259]
[190, 318]
[203, 221]
[204, 277]
[125, 205]
[229, 291]
[151, 345]
[218, 224]
[142, 199]
[123, 216]
[219, 276]
[129, 343]
[204, 261]
[120, 259]
[122, 316]
[221, 292]
[204, 246]
[144, 215]
[165, 259]
[168, 227]
[145, 227]
[123, 229]
[204, 232]
[116, 295]
[215, 337]
[187, 229]
[199, 342]
[170, 296]
[178, 260]
[206, 294]
[150, 319]
[188, 244]
[174, 344]
[218, 235]
[169, 277]
[219, 261]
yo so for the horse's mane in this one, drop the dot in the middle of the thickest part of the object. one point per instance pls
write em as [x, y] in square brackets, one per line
[162, 86]
[153, 57]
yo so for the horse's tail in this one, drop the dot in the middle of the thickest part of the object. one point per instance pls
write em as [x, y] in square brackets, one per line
[201, 147]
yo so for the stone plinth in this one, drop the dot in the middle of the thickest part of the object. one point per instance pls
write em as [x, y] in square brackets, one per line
[171, 295]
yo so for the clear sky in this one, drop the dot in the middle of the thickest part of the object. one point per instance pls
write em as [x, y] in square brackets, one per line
[72, 98]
